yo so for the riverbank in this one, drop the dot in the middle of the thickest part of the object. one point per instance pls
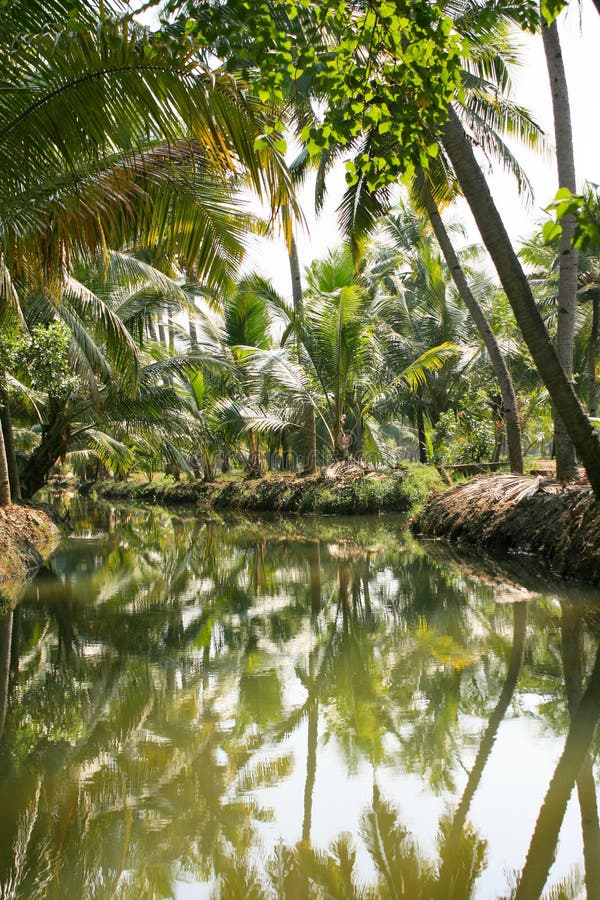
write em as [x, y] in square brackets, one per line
[509, 514]
[27, 536]
[344, 494]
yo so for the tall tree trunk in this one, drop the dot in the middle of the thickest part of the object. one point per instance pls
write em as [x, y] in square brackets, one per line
[5, 496]
[309, 462]
[358, 430]
[514, 281]
[566, 464]
[593, 354]
[421, 436]
[9, 443]
[509, 399]
[254, 467]
[49, 450]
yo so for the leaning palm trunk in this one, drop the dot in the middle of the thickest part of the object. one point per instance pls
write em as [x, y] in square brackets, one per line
[310, 429]
[514, 281]
[509, 399]
[50, 449]
[566, 465]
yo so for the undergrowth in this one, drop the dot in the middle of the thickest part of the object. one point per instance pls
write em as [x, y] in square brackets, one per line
[402, 491]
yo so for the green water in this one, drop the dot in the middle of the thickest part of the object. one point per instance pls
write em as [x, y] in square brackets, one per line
[248, 708]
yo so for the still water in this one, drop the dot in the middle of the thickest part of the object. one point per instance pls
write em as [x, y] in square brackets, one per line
[252, 708]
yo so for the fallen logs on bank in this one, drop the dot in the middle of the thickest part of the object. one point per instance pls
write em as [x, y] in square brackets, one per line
[509, 514]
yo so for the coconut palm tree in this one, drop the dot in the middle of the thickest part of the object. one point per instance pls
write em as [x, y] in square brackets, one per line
[428, 310]
[150, 148]
[353, 354]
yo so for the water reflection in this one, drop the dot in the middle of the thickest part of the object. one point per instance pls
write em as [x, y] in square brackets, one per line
[179, 695]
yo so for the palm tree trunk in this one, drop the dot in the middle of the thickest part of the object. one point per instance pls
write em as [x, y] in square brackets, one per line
[309, 463]
[566, 464]
[518, 291]
[254, 468]
[9, 443]
[421, 436]
[509, 399]
[593, 353]
[52, 446]
[5, 496]
[358, 430]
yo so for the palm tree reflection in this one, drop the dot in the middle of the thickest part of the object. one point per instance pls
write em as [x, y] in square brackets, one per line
[152, 712]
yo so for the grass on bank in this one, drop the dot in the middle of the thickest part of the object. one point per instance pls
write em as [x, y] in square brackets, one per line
[403, 491]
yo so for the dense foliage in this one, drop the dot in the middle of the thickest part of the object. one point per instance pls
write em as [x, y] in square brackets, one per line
[130, 339]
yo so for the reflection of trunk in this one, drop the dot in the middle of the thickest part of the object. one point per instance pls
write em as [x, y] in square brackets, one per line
[15, 644]
[518, 291]
[545, 837]
[310, 429]
[421, 436]
[593, 353]
[65, 621]
[509, 399]
[485, 748]
[571, 649]
[5, 640]
[9, 443]
[566, 466]
[314, 565]
[311, 753]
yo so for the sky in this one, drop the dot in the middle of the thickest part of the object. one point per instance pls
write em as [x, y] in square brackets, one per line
[579, 30]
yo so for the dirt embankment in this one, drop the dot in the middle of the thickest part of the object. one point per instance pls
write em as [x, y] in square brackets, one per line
[519, 514]
[27, 535]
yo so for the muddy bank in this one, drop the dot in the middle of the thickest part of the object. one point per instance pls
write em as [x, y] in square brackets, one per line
[27, 535]
[508, 514]
[366, 492]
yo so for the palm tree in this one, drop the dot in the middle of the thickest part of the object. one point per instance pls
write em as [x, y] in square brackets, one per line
[566, 467]
[428, 311]
[520, 296]
[353, 354]
[151, 148]
[123, 391]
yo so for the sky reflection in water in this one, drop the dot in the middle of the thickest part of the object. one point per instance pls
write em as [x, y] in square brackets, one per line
[293, 708]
